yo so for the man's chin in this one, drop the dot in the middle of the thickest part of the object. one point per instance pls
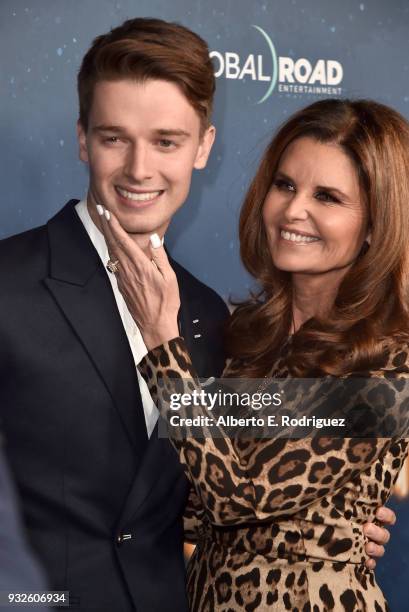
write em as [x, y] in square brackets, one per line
[139, 231]
[142, 227]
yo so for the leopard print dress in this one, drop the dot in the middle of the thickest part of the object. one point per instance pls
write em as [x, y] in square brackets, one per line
[279, 526]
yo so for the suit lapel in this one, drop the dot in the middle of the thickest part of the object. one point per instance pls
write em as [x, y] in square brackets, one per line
[80, 286]
[160, 467]
[190, 325]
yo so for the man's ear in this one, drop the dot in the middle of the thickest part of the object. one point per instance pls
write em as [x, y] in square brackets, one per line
[82, 142]
[205, 146]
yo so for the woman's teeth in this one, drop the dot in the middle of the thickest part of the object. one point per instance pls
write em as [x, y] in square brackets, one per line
[297, 237]
[138, 197]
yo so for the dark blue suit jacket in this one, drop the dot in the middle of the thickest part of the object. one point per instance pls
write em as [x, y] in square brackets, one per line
[102, 504]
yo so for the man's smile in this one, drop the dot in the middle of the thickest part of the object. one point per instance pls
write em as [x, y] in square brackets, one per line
[138, 196]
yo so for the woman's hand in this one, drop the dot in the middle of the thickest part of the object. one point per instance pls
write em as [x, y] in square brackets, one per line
[378, 536]
[148, 285]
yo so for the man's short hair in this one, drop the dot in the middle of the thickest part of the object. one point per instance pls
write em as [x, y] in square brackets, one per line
[142, 49]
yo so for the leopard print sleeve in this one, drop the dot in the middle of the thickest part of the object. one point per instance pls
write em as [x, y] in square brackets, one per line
[193, 518]
[267, 478]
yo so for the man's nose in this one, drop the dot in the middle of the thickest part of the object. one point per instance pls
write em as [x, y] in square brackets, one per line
[139, 164]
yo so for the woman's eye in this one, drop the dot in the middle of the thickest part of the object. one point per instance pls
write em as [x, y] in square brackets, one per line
[325, 196]
[284, 185]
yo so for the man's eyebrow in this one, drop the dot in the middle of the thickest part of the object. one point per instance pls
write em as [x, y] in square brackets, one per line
[175, 132]
[172, 132]
[108, 128]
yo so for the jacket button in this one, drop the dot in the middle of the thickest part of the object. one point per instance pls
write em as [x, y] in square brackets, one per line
[122, 537]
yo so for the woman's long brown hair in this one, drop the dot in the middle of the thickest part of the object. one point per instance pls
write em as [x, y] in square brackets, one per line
[372, 300]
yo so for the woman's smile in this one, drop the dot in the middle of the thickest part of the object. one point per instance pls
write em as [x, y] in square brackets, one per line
[314, 214]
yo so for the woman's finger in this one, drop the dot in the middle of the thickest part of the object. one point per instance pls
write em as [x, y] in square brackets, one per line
[377, 534]
[159, 256]
[124, 243]
[115, 254]
[119, 262]
[116, 234]
[105, 228]
[386, 515]
[374, 550]
[118, 243]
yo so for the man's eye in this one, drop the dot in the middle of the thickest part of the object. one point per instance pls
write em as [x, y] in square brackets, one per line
[283, 185]
[325, 196]
[112, 140]
[166, 144]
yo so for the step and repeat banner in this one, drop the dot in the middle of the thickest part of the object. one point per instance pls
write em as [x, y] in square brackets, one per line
[271, 57]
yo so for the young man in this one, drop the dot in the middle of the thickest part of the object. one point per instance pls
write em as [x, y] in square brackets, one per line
[103, 497]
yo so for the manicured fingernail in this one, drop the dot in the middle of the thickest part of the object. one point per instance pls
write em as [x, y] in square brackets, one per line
[381, 514]
[156, 242]
[107, 215]
[100, 210]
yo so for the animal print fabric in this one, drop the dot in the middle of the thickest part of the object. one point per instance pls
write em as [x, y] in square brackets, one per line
[278, 523]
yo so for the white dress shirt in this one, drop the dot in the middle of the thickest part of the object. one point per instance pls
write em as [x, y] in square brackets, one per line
[134, 336]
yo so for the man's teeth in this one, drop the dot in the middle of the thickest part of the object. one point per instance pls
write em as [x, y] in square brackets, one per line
[297, 237]
[138, 197]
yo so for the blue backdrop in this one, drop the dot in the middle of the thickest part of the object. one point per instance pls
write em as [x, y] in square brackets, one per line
[271, 57]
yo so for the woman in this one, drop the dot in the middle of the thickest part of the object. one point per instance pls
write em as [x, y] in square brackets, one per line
[324, 229]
